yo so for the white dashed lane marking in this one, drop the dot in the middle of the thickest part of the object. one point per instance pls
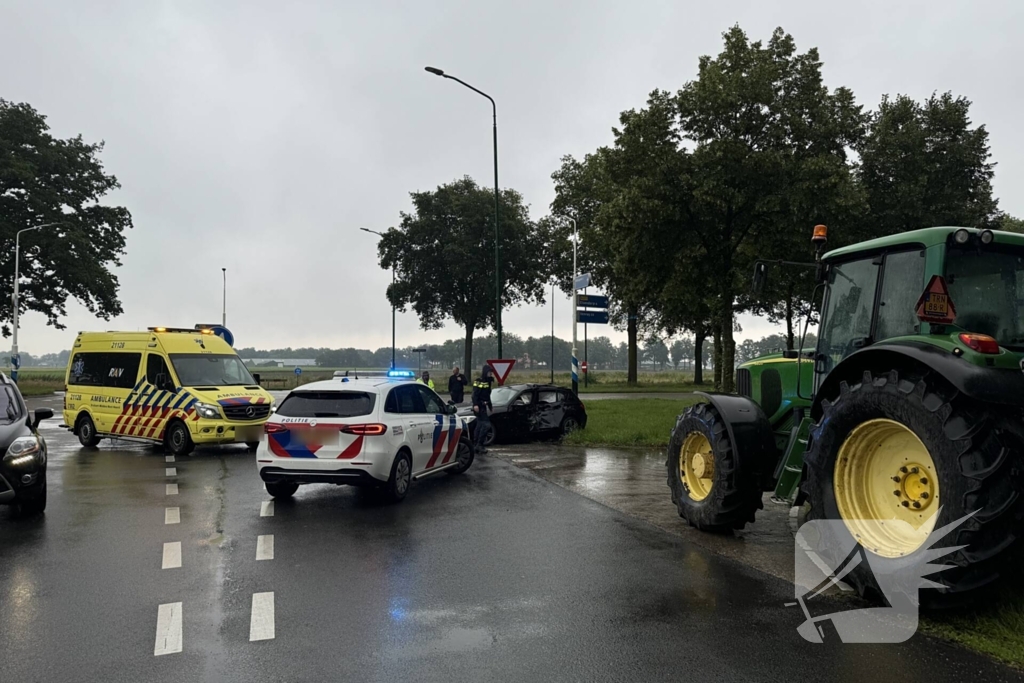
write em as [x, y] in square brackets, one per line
[168, 629]
[172, 516]
[172, 489]
[265, 547]
[261, 625]
[169, 458]
[171, 471]
[172, 555]
[267, 508]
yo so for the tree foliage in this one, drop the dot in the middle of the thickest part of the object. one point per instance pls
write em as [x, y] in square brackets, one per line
[443, 253]
[44, 180]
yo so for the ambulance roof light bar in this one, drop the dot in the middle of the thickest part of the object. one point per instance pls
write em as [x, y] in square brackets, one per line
[189, 330]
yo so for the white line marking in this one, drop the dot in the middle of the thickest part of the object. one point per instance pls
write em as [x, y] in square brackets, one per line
[168, 629]
[169, 458]
[267, 508]
[172, 489]
[261, 626]
[172, 555]
[172, 516]
[171, 471]
[265, 547]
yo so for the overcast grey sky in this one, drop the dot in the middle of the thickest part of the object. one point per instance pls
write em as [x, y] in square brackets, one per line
[259, 136]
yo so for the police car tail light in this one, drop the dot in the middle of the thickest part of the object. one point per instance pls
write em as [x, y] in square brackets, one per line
[271, 428]
[365, 430]
[982, 343]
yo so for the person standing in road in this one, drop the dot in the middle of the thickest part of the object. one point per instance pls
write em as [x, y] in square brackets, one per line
[425, 379]
[456, 385]
[482, 408]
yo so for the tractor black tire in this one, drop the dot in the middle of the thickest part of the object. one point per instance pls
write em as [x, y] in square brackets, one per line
[735, 495]
[86, 431]
[972, 455]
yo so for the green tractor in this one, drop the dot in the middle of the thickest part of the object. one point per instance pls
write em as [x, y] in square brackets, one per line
[909, 409]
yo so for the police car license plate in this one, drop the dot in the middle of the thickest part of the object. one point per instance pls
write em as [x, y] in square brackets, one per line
[317, 437]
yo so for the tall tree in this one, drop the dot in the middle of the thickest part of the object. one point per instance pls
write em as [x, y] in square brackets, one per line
[443, 255]
[924, 164]
[769, 144]
[43, 180]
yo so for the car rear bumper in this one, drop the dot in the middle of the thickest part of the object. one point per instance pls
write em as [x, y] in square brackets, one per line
[342, 476]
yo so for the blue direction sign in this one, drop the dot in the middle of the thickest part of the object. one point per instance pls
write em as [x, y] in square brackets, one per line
[592, 317]
[592, 301]
[298, 371]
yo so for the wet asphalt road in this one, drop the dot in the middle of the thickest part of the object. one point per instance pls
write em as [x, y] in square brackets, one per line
[495, 575]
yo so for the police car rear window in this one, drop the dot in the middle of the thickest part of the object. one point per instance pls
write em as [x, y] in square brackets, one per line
[326, 404]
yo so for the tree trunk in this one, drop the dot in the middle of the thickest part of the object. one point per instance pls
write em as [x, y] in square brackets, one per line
[716, 357]
[631, 339]
[728, 345]
[468, 369]
[789, 320]
[698, 357]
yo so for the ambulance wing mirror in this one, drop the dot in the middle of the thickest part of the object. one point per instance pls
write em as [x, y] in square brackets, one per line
[256, 377]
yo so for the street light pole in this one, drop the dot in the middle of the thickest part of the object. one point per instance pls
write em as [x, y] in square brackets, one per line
[392, 305]
[552, 331]
[15, 358]
[224, 308]
[497, 248]
[575, 360]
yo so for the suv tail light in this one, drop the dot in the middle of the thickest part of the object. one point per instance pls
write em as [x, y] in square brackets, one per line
[272, 428]
[365, 430]
[982, 343]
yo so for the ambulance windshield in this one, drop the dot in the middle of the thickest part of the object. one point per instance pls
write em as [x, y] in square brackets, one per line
[209, 370]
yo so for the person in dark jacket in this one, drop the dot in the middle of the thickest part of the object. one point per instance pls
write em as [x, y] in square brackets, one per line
[456, 385]
[482, 408]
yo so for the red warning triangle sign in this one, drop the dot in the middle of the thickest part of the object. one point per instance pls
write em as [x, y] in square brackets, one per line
[935, 306]
[501, 368]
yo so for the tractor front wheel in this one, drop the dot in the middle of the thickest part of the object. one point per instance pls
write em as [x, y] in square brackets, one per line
[893, 461]
[710, 489]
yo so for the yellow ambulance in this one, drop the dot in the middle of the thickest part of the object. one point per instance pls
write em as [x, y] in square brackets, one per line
[178, 387]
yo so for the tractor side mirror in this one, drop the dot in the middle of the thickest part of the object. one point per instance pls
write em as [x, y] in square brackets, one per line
[760, 277]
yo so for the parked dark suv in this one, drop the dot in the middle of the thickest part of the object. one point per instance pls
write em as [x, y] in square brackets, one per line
[23, 464]
[524, 411]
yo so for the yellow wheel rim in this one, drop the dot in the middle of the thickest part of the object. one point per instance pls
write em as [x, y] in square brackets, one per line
[697, 465]
[886, 487]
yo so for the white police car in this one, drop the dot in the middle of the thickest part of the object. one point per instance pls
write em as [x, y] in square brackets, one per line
[369, 431]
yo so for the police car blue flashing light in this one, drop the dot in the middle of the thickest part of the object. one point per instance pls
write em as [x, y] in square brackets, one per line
[401, 373]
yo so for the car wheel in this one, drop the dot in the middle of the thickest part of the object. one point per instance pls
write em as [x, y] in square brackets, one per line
[178, 440]
[87, 432]
[491, 437]
[569, 425]
[463, 456]
[401, 478]
[282, 489]
[35, 506]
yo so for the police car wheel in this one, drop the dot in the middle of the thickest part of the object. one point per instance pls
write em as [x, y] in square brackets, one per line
[87, 432]
[178, 439]
[398, 484]
[463, 456]
[282, 489]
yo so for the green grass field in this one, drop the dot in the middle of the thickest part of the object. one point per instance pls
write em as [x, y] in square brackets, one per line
[628, 422]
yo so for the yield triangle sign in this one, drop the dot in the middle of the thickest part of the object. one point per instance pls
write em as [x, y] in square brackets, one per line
[501, 368]
[935, 306]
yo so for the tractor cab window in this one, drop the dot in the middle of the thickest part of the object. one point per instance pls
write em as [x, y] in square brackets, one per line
[987, 289]
[846, 325]
[902, 283]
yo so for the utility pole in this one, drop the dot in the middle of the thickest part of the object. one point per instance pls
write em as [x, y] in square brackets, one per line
[224, 306]
[15, 357]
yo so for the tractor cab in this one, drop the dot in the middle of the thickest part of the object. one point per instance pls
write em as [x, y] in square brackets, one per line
[907, 416]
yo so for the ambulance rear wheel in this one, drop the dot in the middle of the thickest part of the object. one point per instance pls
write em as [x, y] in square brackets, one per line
[178, 440]
[87, 432]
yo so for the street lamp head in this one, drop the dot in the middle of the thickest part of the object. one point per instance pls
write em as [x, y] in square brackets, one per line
[434, 70]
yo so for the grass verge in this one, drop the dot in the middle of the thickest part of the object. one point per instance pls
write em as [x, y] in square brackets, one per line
[996, 630]
[629, 422]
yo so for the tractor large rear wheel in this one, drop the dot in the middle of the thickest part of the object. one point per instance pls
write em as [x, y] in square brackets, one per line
[708, 487]
[896, 458]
